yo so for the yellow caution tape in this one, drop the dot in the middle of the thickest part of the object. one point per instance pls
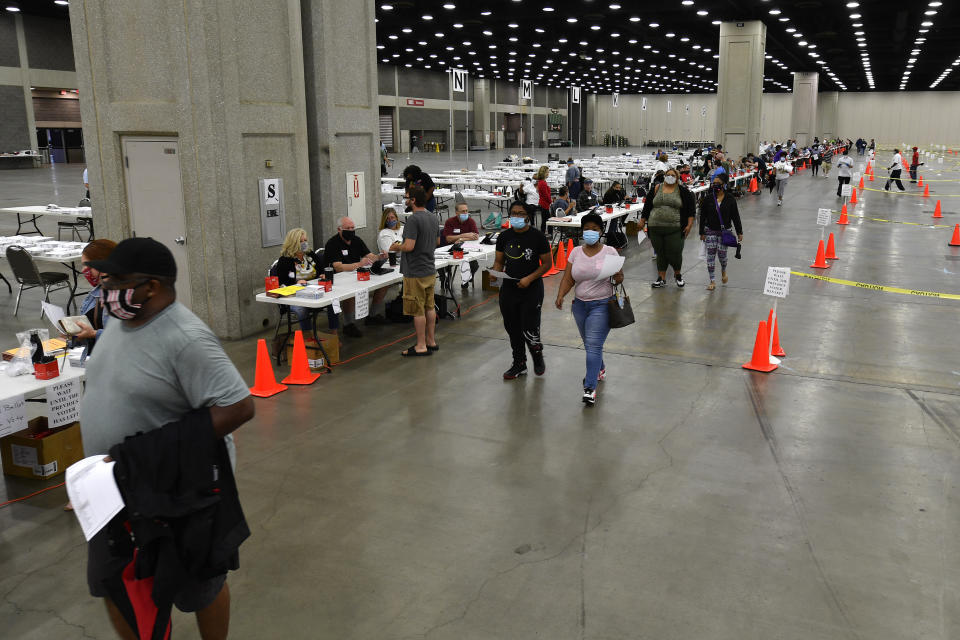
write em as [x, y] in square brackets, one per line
[917, 194]
[878, 287]
[915, 224]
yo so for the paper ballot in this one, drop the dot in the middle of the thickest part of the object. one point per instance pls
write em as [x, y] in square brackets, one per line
[499, 274]
[93, 493]
[611, 265]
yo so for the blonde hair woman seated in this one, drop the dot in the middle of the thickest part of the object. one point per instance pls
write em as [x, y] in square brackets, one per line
[297, 264]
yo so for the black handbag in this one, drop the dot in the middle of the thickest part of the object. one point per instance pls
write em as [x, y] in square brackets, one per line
[727, 237]
[619, 311]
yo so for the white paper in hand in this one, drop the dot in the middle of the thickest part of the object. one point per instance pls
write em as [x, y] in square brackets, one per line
[610, 266]
[54, 313]
[499, 274]
[93, 493]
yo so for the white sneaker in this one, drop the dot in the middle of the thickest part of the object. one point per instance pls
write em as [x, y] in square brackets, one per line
[589, 397]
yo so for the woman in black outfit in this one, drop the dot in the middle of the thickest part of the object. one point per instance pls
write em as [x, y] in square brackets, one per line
[297, 264]
[716, 206]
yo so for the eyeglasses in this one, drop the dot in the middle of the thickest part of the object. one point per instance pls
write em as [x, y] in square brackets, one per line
[108, 282]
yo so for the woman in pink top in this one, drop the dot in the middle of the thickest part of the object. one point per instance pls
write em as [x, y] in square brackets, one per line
[590, 299]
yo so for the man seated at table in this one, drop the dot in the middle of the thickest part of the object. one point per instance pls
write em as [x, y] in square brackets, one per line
[587, 199]
[346, 252]
[460, 227]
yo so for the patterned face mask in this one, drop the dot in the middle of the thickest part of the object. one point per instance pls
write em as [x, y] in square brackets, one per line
[119, 303]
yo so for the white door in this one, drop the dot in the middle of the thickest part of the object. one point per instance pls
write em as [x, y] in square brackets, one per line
[155, 199]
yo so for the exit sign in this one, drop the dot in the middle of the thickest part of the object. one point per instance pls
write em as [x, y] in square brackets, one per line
[414, 102]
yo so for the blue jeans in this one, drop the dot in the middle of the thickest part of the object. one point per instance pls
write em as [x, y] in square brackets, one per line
[594, 325]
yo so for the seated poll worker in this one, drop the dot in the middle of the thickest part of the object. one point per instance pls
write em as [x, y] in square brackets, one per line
[92, 306]
[460, 228]
[390, 237]
[345, 252]
[297, 264]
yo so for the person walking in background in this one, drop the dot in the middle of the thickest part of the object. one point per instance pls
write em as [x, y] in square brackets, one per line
[572, 179]
[718, 211]
[816, 158]
[667, 217]
[784, 168]
[895, 167]
[914, 164]
[590, 299]
[844, 171]
[543, 193]
[827, 160]
[523, 253]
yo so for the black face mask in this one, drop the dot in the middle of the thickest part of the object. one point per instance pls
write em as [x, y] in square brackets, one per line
[717, 188]
[348, 234]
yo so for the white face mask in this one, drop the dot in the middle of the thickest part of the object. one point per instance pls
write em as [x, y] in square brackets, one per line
[670, 179]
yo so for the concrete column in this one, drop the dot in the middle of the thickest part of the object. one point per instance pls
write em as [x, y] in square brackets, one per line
[226, 78]
[25, 83]
[590, 134]
[340, 58]
[480, 122]
[740, 86]
[803, 125]
[828, 109]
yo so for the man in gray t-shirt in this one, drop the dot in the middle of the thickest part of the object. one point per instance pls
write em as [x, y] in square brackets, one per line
[154, 365]
[420, 233]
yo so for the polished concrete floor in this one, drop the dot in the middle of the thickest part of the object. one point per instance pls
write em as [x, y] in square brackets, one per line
[430, 499]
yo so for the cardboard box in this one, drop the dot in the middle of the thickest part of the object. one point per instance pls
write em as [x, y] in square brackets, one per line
[486, 285]
[331, 343]
[25, 455]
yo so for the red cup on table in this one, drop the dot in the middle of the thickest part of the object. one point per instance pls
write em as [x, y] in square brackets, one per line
[458, 254]
[363, 274]
[609, 208]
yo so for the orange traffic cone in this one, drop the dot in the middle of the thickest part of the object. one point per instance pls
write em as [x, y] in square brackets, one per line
[775, 348]
[264, 384]
[871, 176]
[936, 211]
[853, 195]
[920, 183]
[569, 251]
[843, 216]
[955, 241]
[559, 260]
[753, 185]
[760, 361]
[830, 255]
[556, 261]
[926, 191]
[861, 182]
[820, 262]
[299, 367]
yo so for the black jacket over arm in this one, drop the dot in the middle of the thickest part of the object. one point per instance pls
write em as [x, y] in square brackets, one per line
[728, 209]
[688, 211]
[182, 507]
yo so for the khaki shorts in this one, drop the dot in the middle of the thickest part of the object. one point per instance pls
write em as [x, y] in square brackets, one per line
[418, 295]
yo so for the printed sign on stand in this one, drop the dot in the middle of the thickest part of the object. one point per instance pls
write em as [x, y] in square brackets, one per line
[823, 217]
[63, 402]
[13, 415]
[777, 283]
[846, 190]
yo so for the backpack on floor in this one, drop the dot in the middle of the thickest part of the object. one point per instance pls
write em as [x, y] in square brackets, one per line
[394, 311]
[493, 221]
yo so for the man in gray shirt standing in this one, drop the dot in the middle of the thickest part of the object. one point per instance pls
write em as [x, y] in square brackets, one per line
[153, 366]
[572, 179]
[420, 273]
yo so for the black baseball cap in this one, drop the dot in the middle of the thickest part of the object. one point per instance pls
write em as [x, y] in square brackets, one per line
[139, 255]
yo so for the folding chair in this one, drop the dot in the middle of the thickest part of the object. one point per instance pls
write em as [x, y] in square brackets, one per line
[28, 276]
